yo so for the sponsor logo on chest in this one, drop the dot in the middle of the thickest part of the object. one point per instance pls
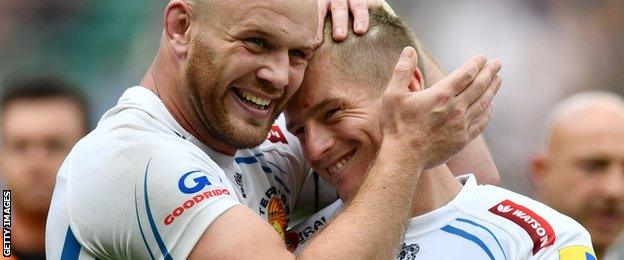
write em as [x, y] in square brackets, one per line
[294, 239]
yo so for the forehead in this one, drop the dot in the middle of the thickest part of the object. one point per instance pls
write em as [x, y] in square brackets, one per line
[292, 21]
[590, 131]
[324, 83]
[28, 117]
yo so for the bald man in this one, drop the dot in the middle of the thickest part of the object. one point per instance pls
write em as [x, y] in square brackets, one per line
[581, 170]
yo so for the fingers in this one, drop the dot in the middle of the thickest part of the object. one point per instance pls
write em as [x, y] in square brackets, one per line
[340, 18]
[462, 77]
[479, 107]
[360, 16]
[323, 5]
[480, 84]
[478, 125]
[403, 71]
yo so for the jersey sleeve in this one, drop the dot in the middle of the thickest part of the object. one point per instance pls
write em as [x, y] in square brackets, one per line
[573, 242]
[148, 204]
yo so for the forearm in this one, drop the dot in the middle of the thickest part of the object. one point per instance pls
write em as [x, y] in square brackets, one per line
[372, 225]
[475, 158]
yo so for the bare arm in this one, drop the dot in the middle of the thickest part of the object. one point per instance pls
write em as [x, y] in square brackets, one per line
[378, 213]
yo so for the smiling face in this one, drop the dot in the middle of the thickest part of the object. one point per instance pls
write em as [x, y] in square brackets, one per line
[337, 122]
[246, 61]
[335, 113]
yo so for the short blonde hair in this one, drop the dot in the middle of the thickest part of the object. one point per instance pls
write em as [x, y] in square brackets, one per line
[371, 57]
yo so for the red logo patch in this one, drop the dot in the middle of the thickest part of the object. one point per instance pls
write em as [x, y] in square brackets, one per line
[276, 135]
[538, 229]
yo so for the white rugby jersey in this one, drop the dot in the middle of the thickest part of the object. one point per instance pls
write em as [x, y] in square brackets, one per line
[482, 222]
[141, 187]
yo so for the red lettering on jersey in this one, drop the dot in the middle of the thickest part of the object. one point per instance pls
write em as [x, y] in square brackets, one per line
[192, 202]
[276, 135]
[537, 227]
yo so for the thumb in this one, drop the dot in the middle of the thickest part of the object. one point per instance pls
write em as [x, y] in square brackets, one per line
[403, 71]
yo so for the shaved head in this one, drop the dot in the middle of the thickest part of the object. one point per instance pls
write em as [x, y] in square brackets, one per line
[583, 105]
[581, 171]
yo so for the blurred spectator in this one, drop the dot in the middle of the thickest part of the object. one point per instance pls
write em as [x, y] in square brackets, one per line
[40, 119]
[550, 48]
[580, 172]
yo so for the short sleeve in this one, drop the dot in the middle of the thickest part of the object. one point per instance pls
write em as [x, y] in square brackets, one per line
[572, 242]
[154, 203]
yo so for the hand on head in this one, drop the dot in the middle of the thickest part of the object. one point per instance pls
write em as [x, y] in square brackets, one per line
[438, 122]
[340, 16]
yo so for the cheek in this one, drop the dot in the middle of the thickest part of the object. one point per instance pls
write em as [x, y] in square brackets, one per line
[237, 65]
[295, 77]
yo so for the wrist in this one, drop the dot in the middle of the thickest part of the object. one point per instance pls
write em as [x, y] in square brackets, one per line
[394, 151]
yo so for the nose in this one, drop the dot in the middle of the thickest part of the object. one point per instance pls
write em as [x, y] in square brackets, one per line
[613, 185]
[318, 142]
[275, 69]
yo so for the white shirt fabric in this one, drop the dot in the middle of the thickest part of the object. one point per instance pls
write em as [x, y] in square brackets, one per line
[482, 222]
[141, 187]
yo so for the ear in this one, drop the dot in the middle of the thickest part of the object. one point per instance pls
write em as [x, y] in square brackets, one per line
[416, 83]
[539, 168]
[178, 27]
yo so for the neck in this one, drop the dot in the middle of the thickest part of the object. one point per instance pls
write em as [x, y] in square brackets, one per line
[436, 188]
[166, 78]
[29, 231]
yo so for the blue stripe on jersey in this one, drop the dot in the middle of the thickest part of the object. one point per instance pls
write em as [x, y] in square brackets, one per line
[159, 241]
[246, 160]
[252, 160]
[71, 247]
[277, 178]
[267, 169]
[486, 229]
[136, 209]
[275, 165]
[466, 235]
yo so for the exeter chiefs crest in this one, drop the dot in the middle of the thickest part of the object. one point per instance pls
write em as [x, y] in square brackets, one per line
[277, 216]
[408, 252]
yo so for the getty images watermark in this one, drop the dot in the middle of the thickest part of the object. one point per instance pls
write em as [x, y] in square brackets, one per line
[6, 223]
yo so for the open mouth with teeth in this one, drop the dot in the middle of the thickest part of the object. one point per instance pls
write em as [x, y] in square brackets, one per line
[338, 167]
[252, 100]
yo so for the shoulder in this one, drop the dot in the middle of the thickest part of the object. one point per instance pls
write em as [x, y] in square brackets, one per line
[534, 224]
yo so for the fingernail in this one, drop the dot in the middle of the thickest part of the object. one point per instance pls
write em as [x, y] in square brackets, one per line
[339, 31]
[360, 27]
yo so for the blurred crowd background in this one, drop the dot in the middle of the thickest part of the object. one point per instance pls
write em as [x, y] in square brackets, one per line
[550, 49]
